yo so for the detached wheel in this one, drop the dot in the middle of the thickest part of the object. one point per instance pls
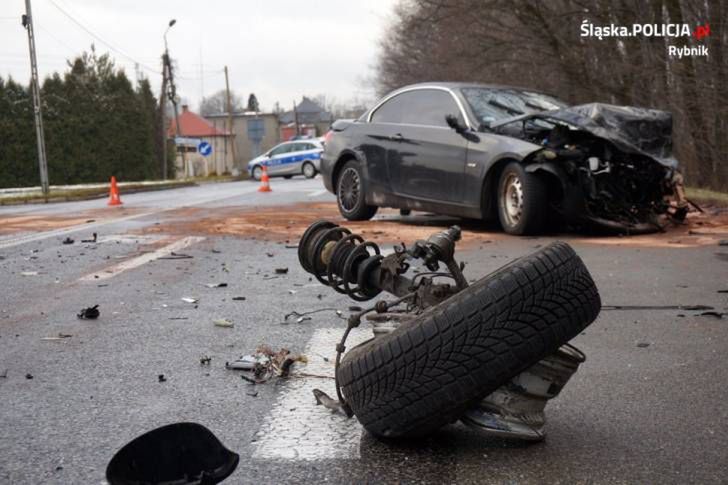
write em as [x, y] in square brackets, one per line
[309, 171]
[522, 201]
[350, 190]
[428, 371]
[257, 172]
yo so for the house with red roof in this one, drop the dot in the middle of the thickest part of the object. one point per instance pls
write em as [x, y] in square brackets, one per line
[194, 130]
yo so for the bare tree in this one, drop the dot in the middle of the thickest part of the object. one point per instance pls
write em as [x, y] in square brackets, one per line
[217, 103]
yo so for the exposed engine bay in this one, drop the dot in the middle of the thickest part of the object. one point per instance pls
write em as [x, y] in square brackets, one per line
[614, 164]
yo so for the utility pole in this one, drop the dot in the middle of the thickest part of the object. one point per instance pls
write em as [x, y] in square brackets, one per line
[230, 117]
[172, 95]
[163, 118]
[27, 20]
[295, 118]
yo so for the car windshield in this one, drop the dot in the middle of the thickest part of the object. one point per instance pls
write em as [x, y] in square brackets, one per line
[490, 105]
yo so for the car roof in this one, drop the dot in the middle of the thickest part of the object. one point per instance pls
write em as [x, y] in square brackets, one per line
[461, 85]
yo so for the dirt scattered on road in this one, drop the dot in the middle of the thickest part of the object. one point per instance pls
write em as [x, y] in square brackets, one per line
[12, 224]
[287, 223]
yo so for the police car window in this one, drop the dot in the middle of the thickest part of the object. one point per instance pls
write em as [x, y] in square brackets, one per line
[280, 150]
[421, 107]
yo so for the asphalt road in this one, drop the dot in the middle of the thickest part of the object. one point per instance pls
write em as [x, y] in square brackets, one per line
[648, 413]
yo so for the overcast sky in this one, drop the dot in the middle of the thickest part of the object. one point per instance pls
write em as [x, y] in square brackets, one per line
[278, 49]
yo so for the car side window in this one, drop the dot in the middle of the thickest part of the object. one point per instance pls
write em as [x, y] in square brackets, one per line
[420, 107]
[280, 150]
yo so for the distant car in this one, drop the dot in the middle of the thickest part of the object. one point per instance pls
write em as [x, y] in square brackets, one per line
[300, 157]
[523, 157]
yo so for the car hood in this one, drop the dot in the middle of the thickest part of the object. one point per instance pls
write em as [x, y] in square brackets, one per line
[633, 130]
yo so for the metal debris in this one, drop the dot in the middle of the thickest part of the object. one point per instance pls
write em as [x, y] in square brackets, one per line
[300, 316]
[718, 315]
[205, 360]
[174, 255]
[90, 313]
[29, 273]
[161, 378]
[92, 240]
[643, 344]
[238, 298]
[223, 322]
[281, 270]
[266, 363]
[60, 336]
[28, 375]
[216, 285]
[188, 299]
[324, 400]
[68, 240]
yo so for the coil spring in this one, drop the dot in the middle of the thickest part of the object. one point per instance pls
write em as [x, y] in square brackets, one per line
[340, 259]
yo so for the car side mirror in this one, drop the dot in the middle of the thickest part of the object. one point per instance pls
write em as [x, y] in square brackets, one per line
[452, 122]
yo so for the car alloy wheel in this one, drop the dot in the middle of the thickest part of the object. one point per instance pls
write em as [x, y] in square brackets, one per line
[349, 189]
[513, 199]
[257, 172]
[309, 171]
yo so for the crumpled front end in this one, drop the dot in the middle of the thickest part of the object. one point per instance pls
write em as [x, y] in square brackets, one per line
[615, 166]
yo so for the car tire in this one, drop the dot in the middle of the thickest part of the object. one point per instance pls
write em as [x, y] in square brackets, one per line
[308, 170]
[350, 190]
[288, 177]
[257, 172]
[428, 371]
[522, 200]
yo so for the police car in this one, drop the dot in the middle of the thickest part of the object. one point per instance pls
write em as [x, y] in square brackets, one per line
[299, 157]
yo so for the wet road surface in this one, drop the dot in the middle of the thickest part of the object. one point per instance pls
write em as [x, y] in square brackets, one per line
[647, 406]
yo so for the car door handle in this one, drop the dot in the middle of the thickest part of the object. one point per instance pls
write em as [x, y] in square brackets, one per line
[397, 137]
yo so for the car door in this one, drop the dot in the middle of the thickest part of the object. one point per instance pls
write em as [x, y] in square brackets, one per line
[427, 158]
[276, 163]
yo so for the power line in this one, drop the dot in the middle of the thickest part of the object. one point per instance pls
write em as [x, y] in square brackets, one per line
[97, 37]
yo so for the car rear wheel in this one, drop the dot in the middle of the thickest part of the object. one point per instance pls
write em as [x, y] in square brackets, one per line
[309, 171]
[522, 200]
[350, 193]
[257, 172]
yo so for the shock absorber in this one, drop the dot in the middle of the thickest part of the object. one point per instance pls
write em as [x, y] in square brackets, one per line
[340, 259]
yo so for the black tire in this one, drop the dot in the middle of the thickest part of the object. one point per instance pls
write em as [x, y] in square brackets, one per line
[288, 177]
[257, 172]
[428, 371]
[308, 170]
[527, 213]
[350, 190]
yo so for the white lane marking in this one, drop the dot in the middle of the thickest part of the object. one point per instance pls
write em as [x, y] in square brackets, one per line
[296, 428]
[143, 259]
[317, 193]
[39, 236]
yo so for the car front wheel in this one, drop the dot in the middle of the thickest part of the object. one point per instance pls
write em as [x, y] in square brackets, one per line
[309, 171]
[257, 172]
[350, 193]
[522, 200]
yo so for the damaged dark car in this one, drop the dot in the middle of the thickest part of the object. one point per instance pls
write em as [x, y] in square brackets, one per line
[516, 155]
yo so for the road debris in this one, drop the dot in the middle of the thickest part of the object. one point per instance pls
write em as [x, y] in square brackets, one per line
[28, 376]
[270, 255]
[29, 273]
[205, 360]
[90, 313]
[324, 400]
[643, 344]
[238, 298]
[174, 255]
[92, 240]
[281, 270]
[216, 285]
[302, 317]
[4, 375]
[188, 299]
[718, 315]
[161, 378]
[60, 336]
[266, 363]
[68, 240]
[223, 322]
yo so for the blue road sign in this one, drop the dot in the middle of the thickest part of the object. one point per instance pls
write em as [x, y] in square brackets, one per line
[204, 148]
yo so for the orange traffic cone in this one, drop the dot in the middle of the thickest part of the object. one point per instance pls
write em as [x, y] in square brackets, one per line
[265, 182]
[114, 198]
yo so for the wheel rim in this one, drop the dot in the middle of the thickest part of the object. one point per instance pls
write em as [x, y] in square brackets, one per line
[308, 170]
[257, 171]
[349, 189]
[512, 197]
